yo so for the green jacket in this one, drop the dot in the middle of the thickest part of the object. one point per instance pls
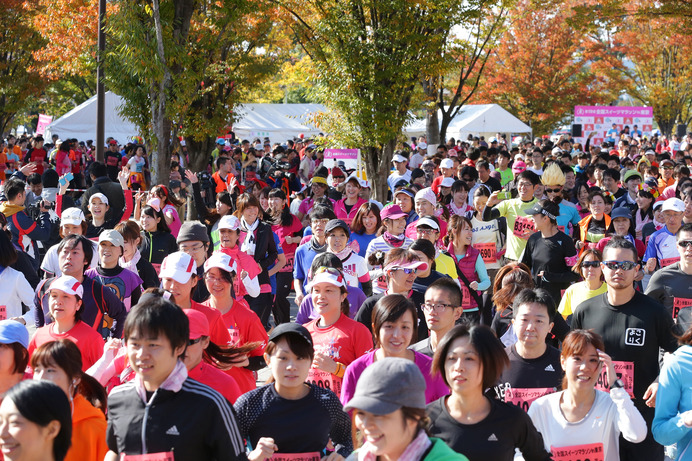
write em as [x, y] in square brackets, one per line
[439, 451]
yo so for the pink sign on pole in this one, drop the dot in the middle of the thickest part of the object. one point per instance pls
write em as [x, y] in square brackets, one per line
[341, 154]
[43, 122]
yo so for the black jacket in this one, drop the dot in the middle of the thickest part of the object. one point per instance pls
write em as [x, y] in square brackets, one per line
[114, 194]
[265, 250]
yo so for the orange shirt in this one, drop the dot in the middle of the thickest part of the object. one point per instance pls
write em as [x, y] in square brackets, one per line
[88, 432]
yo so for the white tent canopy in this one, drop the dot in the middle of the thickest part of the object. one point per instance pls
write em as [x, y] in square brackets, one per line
[80, 122]
[278, 122]
[482, 119]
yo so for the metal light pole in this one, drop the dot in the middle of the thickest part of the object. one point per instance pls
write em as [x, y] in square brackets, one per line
[100, 92]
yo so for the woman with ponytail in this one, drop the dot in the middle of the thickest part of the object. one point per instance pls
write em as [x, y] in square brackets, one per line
[61, 363]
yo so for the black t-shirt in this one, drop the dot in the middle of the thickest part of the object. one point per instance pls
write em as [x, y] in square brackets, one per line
[423, 346]
[493, 184]
[297, 426]
[505, 428]
[542, 372]
[632, 332]
[673, 288]
[597, 226]
[364, 314]
[548, 255]
[422, 283]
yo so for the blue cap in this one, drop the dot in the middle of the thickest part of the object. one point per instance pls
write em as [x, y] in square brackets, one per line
[12, 331]
[220, 141]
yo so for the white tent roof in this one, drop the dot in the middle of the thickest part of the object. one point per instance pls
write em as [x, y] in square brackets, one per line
[278, 122]
[481, 119]
[80, 122]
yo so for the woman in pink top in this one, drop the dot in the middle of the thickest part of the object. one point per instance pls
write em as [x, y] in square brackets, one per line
[168, 206]
[63, 164]
[347, 207]
[394, 321]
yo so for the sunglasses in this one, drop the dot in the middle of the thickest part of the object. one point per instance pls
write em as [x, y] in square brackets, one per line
[593, 264]
[194, 341]
[406, 270]
[623, 265]
[553, 190]
[685, 243]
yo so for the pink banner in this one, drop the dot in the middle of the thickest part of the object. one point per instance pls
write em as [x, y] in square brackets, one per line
[43, 122]
[341, 154]
[613, 111]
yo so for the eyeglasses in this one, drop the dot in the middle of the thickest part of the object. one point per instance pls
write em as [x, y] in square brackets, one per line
[211, 279]
[438, 307]
[192, 342]
[425, 231]
[320, 221]
[623, 265]
[684, 243]
[406, 270]
[524, 184]
[550, 191]
[593, 264]
[186, 249]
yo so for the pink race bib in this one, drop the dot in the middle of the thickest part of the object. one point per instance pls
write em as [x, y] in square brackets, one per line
[678, 305]
[668, 261]
[313, 456]
[3, 312]
[624, 371]
[167, 456]
[488, 251]
[523, 398]
[323, 379]
[523, 227]
[586, 452]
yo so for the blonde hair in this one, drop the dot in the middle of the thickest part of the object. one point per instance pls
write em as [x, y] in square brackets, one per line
[553, 176]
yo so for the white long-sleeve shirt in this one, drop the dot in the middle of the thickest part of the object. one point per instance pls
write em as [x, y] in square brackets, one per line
[16, 290]
[610, 415]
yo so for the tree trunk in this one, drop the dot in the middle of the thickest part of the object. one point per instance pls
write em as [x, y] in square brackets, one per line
[160, 121]
[666, 125]
[432, 124]
[446, 120]
[378, 165]
[200, 153]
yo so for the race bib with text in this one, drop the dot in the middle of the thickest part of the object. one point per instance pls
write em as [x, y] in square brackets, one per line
[624, 372]
[586, 452]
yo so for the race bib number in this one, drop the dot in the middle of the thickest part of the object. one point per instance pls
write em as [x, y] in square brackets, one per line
[289, 264]
[325, 380]
[523, 398]
[314, 456]
[465, 296]
[678, 304]
[668, 261]
[3, 312]
[624, 372]
[167, 456]
[235, 336]
[587, 452]
[488, 252]
[523, 227]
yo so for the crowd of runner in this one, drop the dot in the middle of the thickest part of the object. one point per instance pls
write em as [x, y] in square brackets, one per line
[529, 301]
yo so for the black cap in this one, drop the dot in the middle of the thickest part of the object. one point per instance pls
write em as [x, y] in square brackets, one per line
[335, 224]
[547, 208]
[294, 328]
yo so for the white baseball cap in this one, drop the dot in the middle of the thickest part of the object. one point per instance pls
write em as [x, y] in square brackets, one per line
[112, 236]
[422, 145]
[67, 284]
[99, 195]
[73, 216]
[399, 158]
[361, 182]
[229, 222]
[447, 163]
[178, 266]
[674, 204]
[221, 261]
[447, 182]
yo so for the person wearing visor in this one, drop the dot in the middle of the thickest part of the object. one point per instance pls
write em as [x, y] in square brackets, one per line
[428, 228]
[243, 325]
[72, 221]
[179, 278]
[65, 295]
[389, 410]
[346, 208]
[338, 339]
[404, 198]
[272, 418]
[549, 252]
[554, 180]
[401, 269]
[355, 268]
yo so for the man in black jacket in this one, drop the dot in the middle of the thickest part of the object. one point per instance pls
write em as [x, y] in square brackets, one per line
[112, 190]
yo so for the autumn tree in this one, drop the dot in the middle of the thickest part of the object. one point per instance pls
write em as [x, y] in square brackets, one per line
[368, 58]
[543, 67]
[19, 81]
[182, 66]
[465, 56]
